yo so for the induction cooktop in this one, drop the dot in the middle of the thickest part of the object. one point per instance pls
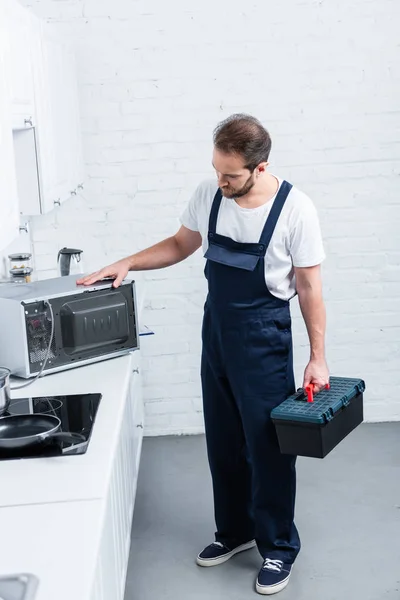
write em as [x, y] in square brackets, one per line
[77, 414]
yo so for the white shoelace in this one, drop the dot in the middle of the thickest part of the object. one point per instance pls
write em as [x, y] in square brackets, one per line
[273, 565]
[218, 544]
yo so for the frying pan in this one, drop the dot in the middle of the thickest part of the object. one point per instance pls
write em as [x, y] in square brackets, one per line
[19, 432]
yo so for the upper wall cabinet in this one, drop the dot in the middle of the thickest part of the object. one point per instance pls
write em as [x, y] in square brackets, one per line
[20, 67]
[44, 108]
[8, 184]
[58, 126]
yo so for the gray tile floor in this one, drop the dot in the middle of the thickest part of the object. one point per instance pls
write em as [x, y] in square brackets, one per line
[348, 515]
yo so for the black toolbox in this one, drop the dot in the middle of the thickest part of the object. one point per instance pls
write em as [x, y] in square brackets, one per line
[314, 428]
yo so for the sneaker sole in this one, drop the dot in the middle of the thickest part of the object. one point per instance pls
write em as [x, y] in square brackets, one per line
[268, 590]
[213, 562]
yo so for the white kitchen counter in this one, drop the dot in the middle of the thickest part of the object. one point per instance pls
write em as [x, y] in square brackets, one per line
[55, 542]
[76, 477]
[67, 520]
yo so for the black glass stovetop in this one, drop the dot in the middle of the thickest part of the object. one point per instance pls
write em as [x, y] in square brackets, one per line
[77, 414]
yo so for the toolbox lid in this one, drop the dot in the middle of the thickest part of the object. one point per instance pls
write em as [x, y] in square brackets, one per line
[326, 403]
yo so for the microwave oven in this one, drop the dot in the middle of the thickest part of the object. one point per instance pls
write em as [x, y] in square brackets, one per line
[64, 325]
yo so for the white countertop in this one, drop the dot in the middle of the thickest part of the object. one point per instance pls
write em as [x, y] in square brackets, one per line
[59, 547]
[55, 511]
[77, 477]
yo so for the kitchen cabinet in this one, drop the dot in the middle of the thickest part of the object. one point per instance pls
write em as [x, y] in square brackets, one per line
[115, 542]
[47, 75]
[27, 170]
[8, 184]
[78, 509]
[87, 475]
[72, 128]
[136, 390]
[55, 543]
[42, 79]
[20, 68]
[58, 133]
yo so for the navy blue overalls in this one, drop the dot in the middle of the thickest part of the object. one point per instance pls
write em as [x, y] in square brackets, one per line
[247, 370]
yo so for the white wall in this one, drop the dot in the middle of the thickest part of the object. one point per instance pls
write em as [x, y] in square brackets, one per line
[155, 78]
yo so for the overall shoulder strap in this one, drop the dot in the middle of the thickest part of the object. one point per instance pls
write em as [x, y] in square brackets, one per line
[274, 214]
[212, 224]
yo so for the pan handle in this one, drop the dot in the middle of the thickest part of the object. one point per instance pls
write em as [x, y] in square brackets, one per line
[68, 437]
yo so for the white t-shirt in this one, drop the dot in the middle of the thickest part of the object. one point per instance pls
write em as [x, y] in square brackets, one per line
[296, 241]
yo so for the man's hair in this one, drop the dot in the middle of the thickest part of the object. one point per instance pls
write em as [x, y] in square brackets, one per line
[243, 135]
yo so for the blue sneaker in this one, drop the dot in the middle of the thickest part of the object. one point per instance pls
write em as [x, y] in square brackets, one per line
[217, 553]
[273, 576]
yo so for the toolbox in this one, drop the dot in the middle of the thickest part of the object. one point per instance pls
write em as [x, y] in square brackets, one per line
[308, 425]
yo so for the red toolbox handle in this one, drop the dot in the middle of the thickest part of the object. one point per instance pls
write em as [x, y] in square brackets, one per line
[309, 389]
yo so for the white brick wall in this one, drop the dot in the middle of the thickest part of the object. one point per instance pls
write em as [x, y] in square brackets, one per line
[155, 78]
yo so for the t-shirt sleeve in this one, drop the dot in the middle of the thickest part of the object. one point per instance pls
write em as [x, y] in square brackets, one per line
[306, 245]
[189, 217]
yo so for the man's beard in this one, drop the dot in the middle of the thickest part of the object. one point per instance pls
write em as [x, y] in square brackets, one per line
[229, 192]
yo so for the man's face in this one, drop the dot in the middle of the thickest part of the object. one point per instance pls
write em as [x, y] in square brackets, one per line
[234, 179]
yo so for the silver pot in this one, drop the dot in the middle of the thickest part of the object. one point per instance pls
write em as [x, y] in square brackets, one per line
[4, 390]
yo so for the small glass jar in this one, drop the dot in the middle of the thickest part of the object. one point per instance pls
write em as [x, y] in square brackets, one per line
[21, 267]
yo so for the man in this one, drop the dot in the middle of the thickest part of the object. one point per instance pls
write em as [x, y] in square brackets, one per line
[262, 241]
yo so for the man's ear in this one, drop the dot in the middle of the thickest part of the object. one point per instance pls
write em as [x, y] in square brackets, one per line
[262, 167]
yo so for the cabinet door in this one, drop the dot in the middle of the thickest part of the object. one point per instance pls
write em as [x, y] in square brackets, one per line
[72, 147]
[8, 184]
[136, 389]
[58, 93]
[57, 120]
[45, 69]
[20, 72]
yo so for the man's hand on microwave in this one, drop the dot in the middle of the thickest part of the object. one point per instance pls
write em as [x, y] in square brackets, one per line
[166, 253]
[117, 271]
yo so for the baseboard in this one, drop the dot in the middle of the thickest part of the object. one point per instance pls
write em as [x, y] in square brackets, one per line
[381, 412]
[174, 431]
[158, 432]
